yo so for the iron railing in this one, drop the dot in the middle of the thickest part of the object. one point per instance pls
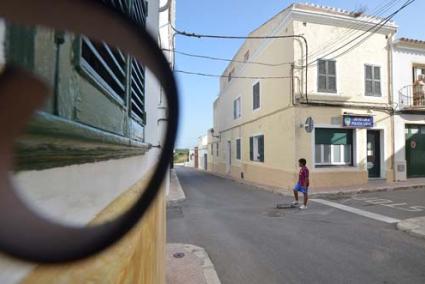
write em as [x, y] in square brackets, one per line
[412, 97]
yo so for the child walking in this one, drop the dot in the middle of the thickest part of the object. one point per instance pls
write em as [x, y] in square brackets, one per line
[302, 184]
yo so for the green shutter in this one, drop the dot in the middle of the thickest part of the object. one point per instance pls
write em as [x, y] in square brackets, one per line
[329, 136]
[261, 147]
[251, 148]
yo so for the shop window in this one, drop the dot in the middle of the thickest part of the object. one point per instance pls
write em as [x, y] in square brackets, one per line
[326, 76]
[256, 96]
[238, 149]
[333, 147]
[237, 108]
[372, 80]
[256, 148]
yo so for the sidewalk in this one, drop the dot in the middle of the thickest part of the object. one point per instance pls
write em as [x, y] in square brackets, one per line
[317, 192]
[371, 186]
[189, 264]
[176, 193]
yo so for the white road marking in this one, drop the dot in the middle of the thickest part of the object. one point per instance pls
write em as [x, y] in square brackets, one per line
[363, 213]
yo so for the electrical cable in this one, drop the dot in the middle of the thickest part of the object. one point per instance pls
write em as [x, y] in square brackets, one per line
[231, 77]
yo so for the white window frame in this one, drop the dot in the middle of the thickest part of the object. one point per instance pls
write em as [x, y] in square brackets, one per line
[354, 153]
[376, 95]
[236, 149]
[332, 162]
[237, 115]
[255, 153]
[259, 95]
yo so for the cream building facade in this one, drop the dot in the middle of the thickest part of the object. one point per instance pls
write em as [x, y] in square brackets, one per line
[260, 120]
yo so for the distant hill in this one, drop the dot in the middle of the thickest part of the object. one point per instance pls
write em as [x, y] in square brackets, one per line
[181, 155]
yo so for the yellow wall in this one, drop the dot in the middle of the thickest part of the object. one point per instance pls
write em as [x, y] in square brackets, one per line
[138, 258]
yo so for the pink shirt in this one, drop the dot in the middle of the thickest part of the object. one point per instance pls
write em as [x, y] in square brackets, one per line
[303, 176]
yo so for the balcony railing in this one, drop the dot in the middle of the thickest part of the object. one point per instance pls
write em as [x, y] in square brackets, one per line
[412, 97]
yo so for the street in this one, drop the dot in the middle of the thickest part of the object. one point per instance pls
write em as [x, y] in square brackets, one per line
[249, 241]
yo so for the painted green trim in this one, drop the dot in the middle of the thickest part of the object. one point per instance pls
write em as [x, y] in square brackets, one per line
[52, 142]
[50, 125]
[87, 73]
[39, 152]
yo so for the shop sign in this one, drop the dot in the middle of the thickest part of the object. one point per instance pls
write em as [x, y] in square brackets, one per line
[357, 121]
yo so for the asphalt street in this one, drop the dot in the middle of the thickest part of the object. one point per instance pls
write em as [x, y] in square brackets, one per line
[250, 241]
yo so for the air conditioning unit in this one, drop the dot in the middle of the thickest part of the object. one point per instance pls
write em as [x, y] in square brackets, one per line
[400, 171]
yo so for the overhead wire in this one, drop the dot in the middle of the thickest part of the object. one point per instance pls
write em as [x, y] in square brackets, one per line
[355, 28]
[369, 32]
[226, 59]
[230, 77]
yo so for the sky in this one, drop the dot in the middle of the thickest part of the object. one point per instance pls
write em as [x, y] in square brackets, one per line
[239, 17]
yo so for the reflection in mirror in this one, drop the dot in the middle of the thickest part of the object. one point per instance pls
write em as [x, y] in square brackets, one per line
[86, 155]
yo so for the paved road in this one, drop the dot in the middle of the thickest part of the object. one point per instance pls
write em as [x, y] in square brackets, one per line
[251, 242]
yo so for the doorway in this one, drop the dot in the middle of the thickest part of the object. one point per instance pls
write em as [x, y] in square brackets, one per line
[374, 153]
[415, 150]
[205, 162]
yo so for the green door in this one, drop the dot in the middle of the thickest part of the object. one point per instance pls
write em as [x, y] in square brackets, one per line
[415, 150]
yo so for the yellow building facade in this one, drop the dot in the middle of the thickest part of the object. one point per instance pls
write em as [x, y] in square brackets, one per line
[260, 116]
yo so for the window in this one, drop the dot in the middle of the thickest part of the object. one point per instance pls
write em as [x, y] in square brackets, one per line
[372, 80]
[256, 148]
[217, 153]
[110, 69]
[238, 149]
[333, 147]
[417, 71]
[246, 56]
[229, 77]
[326, 76]
[237, 108]
[256, 96]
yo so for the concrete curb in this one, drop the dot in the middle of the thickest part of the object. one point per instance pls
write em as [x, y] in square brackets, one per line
[413, 226]
[207, 266]
[176, 194]
[327, 194]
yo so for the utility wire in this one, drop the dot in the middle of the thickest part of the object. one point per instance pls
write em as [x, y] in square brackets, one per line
[231, 77]
[341, 37]
[226, 59]
[373, 30]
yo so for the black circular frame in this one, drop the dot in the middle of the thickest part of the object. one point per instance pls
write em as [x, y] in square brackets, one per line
[23, 233]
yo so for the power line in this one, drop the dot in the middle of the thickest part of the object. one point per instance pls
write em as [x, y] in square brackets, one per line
[377, 12]
[232, 77]
[227, 60]
[373, 30]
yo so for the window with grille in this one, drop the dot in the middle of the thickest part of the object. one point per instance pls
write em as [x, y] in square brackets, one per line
[117, 74]
[326, 76]
[372, 80]
[333, 147]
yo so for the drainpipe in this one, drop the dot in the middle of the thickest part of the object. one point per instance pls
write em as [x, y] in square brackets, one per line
[391, 101]
[59, 40]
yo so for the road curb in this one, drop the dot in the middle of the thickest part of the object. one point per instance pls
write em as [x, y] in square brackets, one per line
[207, 267]
[325, 194]
[413, 226]
[176, 194]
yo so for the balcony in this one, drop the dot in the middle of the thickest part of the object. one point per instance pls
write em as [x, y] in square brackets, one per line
[412, 98]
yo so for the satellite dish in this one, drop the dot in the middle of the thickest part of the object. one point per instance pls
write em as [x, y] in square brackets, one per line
[309, 125]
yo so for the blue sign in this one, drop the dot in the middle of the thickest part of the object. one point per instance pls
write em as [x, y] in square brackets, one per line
[357, 121]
